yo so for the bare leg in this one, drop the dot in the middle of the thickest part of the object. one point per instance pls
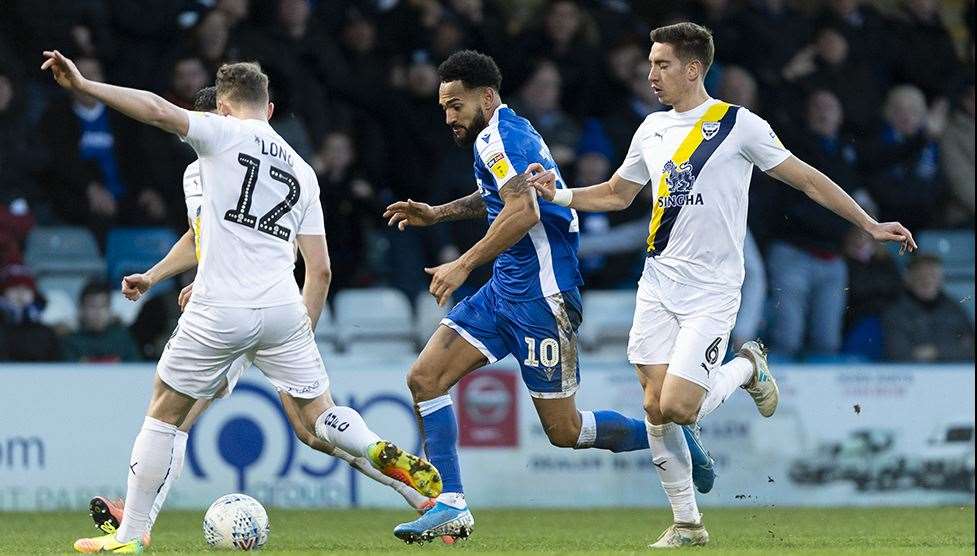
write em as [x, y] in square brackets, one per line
[363, 465]
[560, 420]
[445, 359]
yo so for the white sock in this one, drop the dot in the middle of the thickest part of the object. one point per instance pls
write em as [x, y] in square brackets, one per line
[363, 465]
[674, 464]
[176, 470]
[588, 430]
[454, 499]
[344, 428]
[723, 381]
[152, 454]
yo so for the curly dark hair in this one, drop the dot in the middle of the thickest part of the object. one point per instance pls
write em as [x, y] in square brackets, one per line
[242, 82]
[205, 100]
[472, 68]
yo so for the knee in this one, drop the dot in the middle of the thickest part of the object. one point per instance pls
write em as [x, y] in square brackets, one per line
[423, 383]
[673, 411]
[306, 436]
[652, 411]
[562, 435]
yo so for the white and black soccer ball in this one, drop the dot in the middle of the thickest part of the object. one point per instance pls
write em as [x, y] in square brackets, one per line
[236, 521]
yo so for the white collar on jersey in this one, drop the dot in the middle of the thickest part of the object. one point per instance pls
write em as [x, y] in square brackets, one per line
[697, 111]
[495, 117]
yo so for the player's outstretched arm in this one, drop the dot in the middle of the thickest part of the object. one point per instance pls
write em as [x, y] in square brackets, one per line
[820, 188]
[518, 215]
[318, 273]
[615, 194]
[413, 213]
[181, 257]
[144, 106]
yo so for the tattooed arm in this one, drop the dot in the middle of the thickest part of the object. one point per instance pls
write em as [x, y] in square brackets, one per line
[414, 213]
[519, 214]
[466, 208]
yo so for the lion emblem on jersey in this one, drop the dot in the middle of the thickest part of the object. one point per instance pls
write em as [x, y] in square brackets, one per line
[679, 178]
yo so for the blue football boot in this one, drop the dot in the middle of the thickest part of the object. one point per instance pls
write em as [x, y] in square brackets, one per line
[703, 468]
[440, 521]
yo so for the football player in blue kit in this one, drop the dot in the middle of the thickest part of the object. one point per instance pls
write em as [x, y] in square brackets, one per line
[530, 308]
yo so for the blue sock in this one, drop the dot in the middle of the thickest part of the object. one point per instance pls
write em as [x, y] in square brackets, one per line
[441, 440]
[609, 430]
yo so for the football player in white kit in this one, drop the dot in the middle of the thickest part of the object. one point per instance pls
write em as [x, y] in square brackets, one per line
[259, 200]
[183, 256]
[699, 156]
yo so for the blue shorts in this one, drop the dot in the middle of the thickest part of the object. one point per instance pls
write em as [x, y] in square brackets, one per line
[541, 334]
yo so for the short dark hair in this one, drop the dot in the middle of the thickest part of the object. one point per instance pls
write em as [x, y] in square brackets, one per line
[472, 68]
[923, 259]
[94, 287]
[243, 82]
[690, 41]
[205, 100]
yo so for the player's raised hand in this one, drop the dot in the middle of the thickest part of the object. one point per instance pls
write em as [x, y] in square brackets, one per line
[542, 180]
[63, 69]
[135, 285]
[446, 279]
[410, 213]
[184, 296]
[894, 231]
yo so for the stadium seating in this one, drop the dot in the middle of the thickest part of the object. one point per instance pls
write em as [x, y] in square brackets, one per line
[61, 310]
[123, 309]
[69, 284]
[326, 350]
[131, 250]
[607, 318]
[954, 247]
[381, 349]
[962, 291]
[325, 328]
[428, 316]
[372, 315]
[63, 250]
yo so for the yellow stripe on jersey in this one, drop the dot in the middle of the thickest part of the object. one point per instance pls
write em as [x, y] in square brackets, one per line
[682, 155]
[196, 237]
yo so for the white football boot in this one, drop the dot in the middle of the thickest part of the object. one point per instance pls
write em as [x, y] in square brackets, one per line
[763, 386]
[682, 534]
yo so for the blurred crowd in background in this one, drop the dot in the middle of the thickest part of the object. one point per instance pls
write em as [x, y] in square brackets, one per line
[878, 95]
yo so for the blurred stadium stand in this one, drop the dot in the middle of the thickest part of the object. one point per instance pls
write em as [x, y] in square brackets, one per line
[362, 110]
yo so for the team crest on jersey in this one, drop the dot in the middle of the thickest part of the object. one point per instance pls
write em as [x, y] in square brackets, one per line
[709, 130]
[680, 180]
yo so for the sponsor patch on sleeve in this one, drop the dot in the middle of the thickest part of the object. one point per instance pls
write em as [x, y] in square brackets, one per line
[499, 165]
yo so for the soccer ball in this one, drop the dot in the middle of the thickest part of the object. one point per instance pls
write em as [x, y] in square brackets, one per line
[236, 521]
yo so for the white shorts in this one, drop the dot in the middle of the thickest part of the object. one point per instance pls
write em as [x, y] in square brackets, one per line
[683, 326]
[234, 372]
[212, 345]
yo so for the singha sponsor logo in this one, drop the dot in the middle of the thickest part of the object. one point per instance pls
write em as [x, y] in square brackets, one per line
[680, 180]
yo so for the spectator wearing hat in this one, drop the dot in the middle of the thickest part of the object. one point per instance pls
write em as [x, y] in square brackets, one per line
[100, 337]
[22, 336]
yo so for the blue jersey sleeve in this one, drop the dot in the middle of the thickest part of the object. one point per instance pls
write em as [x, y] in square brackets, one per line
[503, 152]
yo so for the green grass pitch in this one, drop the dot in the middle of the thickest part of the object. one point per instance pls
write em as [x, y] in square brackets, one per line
[747, 530]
